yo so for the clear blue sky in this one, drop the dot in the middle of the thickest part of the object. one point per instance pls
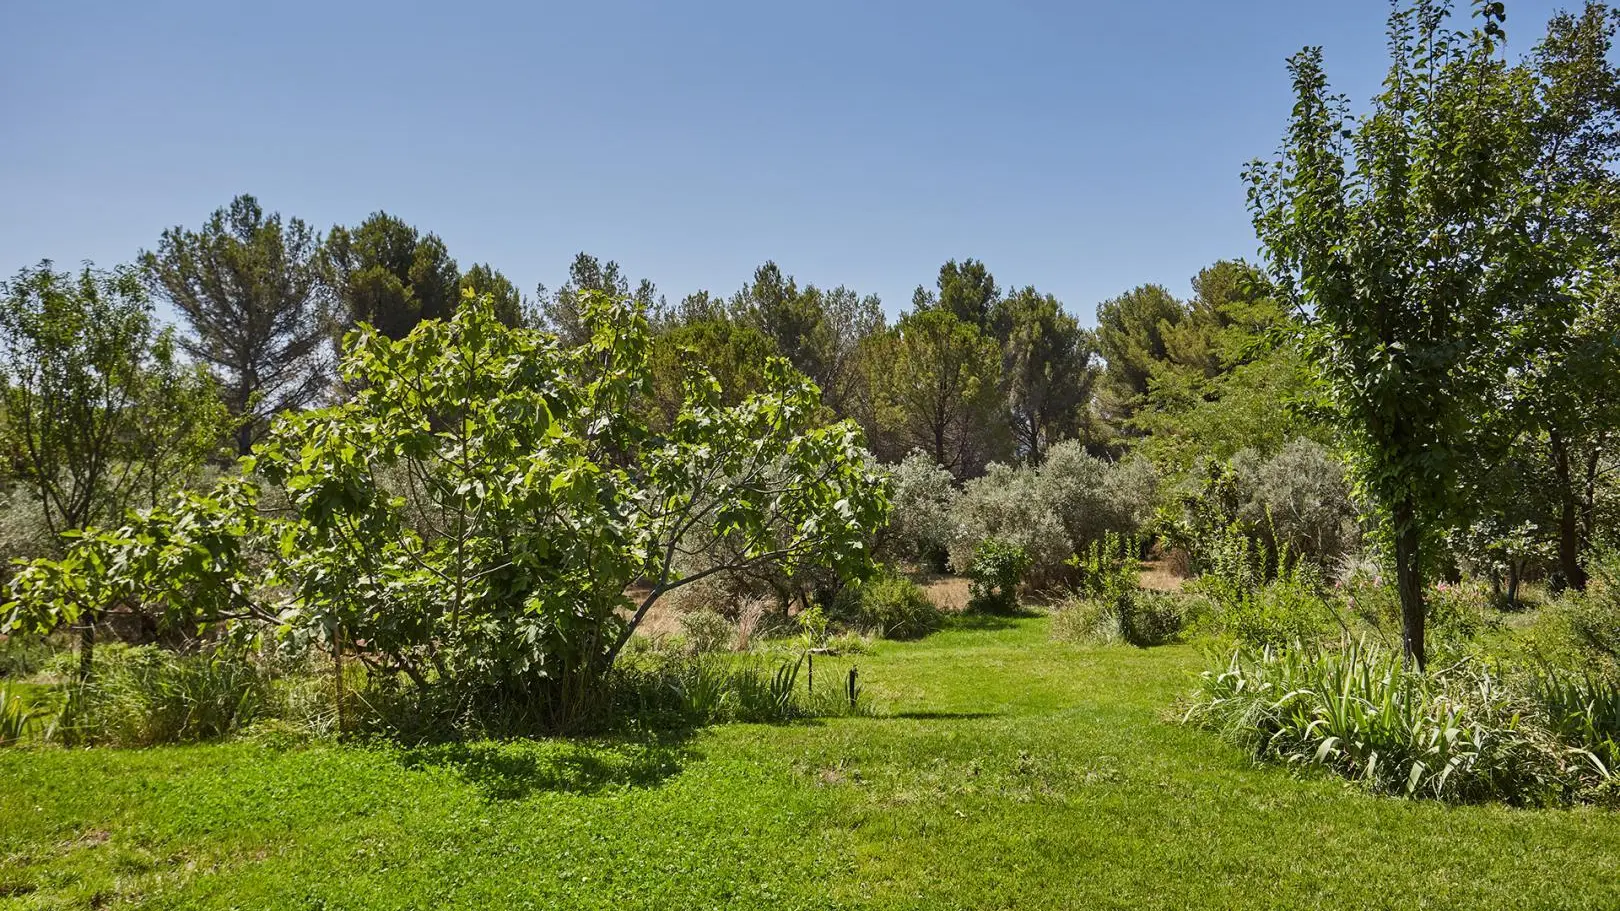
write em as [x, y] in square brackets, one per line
[1084, 148]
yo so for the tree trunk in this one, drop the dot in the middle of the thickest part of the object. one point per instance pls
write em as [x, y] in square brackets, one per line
[1569, 517]
[87, 650]
[1409, 582]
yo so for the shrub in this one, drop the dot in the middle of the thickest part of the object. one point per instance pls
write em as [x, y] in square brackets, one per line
[545, 497]
[1584, 710]
[997, 568]
[17, 715]
[1458, 613]
[1299, 500]
[1007, 505]
[1106, 569]
[897, 608]
[1055, 511]
[1107, 606]
[1460, 735]
[1284, 611]
[1594, 615]
[1141, 618]
[672, 690]
[707, 631]
[143, 696]
[23, 656]
[923, 496]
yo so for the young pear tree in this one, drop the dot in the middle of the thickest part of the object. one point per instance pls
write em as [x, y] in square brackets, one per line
[1397, 236]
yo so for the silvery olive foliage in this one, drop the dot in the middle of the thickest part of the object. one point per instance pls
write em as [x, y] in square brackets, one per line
[1055, 511]
[920, 522]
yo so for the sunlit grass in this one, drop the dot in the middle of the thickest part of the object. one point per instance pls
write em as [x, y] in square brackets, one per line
[1005, 770]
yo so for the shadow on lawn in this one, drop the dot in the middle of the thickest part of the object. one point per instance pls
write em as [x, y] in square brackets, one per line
[942, 716]
[515, 769]
[978, 622]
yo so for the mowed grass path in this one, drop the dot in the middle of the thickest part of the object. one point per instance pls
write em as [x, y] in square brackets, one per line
[1008, 772]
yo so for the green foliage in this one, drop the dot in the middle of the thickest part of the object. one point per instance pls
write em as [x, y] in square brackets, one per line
[1583, 709]
[1007, 505]
[1054, 511]
[920, 521]
[17, 715]
[997, 568]
[475, 512]
[934, 384]
[663, 692]
[1593, 616]
[820, 332]
[707, 631]
[390, 276]
[1048, 370]
[484, 280]
[258, 307]
[1295, 502]
[1106, 569]
[897, 608]
[1425, 241]
[1260, 600]
[1131, 332]
[734, 354]
[966, 291]
[1463, 735]
[100, 407]
[563, 313]
[1137, 617]
[145, 696]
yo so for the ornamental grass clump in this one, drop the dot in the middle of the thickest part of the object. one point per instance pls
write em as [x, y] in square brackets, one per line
[1464, 733]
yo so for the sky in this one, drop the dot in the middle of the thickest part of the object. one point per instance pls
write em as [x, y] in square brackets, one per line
[1084, 148]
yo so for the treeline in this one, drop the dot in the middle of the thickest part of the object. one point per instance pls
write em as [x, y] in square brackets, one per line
[970, 374]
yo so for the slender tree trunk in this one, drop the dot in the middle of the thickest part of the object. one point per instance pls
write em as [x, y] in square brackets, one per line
[87, 649]
[1409, 582]
[1569, 516]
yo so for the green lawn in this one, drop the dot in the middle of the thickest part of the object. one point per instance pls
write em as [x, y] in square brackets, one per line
[1006, 771]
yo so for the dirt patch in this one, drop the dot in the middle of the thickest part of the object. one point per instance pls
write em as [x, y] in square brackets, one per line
[1157, 576]
[949, 593]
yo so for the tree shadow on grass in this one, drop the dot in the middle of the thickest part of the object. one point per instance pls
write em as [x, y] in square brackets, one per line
[515, 769]
[980, 622]
[943, 716]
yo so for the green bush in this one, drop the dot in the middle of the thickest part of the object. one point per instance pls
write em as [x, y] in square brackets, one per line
[144, 696]
[1584, 709]
[707, 631]
[994, 574]
[1463, 734]
[1106, 569]
[897, 608]
[1594, 615]
[17, 715]
[662, 690]
[1459, 613]
[923, 496]
[552, 496]
[23, 656]
[1140, 618]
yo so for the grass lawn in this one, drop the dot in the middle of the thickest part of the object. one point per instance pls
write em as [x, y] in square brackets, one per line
[1006, 771]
